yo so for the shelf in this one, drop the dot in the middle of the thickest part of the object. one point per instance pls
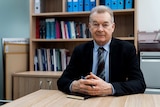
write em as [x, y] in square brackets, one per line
[61, 40]
[78, 14]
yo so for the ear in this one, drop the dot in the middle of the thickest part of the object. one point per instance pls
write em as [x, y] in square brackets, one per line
[113, 27]
[89, 26]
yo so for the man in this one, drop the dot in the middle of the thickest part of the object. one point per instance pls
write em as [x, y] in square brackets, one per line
[122, 71]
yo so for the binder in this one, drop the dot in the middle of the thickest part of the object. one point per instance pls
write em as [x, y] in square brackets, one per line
[92, 4]
[107, 3]
[80, 5]
[128, 4]
[75, 5]
[120, 4]
[86, 5]
[69, 5]
[38, 6]
[114, 4]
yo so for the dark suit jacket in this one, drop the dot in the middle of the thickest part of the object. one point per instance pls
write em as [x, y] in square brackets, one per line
[124, 70]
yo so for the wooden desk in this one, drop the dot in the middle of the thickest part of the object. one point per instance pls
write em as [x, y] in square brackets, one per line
[55, 98]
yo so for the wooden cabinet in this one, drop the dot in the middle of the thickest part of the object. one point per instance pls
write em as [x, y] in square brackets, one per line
[28, 82]
[16, 60]
[125, 19]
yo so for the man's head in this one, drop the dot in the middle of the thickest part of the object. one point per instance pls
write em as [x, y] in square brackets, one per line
[101, 24]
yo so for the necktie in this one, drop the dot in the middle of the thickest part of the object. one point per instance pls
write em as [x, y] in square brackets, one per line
[101, 63]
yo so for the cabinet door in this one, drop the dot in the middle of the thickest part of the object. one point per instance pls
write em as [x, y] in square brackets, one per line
[26, 85]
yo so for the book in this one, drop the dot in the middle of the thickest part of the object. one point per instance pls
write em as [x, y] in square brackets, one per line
[78, 96]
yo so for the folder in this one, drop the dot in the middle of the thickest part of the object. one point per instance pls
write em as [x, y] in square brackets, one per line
[69, 5]
[120, 4]
[86, 5]
[92, 4]
[114, 4]
[75, 5]
[80, 5]
[128, 4]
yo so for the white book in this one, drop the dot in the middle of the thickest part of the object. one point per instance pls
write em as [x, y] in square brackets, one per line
[54, 59]
[73, 33]
[40, 59]
[62, 29]
[84, 30]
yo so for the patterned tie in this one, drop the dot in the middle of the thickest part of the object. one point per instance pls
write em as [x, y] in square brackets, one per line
[101, 63]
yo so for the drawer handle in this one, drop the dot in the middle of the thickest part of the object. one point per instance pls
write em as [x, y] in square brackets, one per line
[49, 84]
[40, 84]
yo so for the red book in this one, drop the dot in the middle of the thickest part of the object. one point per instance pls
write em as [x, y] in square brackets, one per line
[37, 28]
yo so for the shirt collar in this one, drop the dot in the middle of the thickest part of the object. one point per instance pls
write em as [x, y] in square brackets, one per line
[106, 46]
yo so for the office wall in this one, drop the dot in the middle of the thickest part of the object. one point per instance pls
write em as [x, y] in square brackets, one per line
[14, 23]
[148, 15]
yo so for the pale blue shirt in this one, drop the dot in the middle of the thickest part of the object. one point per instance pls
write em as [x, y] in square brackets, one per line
[106, 57]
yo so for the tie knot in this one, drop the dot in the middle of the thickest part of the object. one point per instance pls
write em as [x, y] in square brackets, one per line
[101, 49]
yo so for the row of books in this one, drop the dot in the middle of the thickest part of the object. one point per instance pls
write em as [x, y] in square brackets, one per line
[50, 28]
[80, 5]
[118, 4]
[51, 59]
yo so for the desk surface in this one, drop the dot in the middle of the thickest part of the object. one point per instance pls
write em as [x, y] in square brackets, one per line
[55, 98]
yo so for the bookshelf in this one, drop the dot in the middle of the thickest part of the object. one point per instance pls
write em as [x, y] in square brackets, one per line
[125, 19]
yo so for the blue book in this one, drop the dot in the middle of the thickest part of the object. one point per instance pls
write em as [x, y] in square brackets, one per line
[52, 29]
[114, 4]
[69, 29]
[47, 28]
[86, 5]
[69, 5]
[92, 4]
[120, 4]
[80, 5]
[75, 5]
[128, 4]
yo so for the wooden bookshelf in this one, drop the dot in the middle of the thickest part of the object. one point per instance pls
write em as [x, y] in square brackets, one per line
[125, 19]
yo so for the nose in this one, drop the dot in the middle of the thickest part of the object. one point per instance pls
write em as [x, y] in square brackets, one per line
[100, 27]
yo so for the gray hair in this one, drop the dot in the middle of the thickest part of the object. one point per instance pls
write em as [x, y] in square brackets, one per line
[102, 9]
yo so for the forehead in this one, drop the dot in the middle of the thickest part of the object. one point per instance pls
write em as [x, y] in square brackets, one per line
[104, 17]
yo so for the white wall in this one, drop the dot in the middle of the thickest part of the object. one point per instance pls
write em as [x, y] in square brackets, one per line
[148, 15]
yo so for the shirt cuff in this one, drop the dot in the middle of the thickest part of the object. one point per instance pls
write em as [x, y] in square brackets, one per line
[70, 87]
[113, 90]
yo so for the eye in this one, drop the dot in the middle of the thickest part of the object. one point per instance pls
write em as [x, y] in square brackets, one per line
[95, 24]
[105, 25]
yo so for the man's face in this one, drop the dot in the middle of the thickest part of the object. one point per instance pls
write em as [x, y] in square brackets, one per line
[101, 27]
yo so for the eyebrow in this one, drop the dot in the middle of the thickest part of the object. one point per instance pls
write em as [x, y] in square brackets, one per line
[103, 22]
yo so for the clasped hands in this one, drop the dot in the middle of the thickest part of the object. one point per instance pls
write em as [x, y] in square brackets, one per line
[92, 85]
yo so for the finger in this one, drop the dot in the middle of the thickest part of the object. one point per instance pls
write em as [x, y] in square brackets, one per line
[93, 76]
